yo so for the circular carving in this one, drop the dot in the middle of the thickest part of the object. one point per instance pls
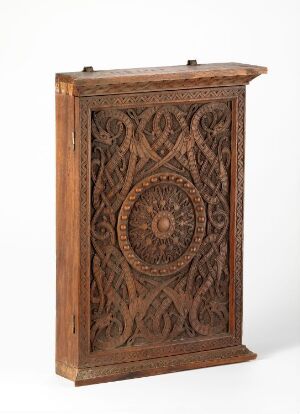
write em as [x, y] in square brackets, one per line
[161, 224]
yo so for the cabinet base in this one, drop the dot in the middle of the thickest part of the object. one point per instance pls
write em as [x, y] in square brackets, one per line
[155, 366]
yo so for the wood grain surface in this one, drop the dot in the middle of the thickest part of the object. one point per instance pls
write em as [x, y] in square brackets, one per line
[150, 220]
[89, 83]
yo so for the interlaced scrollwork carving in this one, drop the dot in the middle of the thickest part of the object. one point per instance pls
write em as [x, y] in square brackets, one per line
[160, 207]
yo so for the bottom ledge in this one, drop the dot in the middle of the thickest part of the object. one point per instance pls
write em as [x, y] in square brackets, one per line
[155, 366]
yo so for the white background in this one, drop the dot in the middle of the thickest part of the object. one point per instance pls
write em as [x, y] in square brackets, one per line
[39, 38]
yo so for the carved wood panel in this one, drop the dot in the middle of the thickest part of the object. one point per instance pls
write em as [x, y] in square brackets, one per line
[160, 214]
[149, 264]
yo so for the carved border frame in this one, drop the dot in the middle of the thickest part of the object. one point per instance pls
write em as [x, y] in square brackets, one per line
[88, 104]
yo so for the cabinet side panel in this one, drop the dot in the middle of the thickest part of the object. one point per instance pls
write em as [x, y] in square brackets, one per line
[67, 232]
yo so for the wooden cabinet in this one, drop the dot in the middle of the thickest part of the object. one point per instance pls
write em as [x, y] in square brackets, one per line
[150, 181]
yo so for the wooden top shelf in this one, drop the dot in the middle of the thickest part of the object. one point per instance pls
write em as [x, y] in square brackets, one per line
[90, 82]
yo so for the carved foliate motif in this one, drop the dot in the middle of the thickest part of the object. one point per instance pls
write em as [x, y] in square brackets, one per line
[161, 224]
[176, 225]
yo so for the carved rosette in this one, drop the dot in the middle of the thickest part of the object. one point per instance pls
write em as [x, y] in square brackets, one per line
[161, 224]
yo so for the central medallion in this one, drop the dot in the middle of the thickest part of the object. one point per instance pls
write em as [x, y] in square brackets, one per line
[161, 224]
